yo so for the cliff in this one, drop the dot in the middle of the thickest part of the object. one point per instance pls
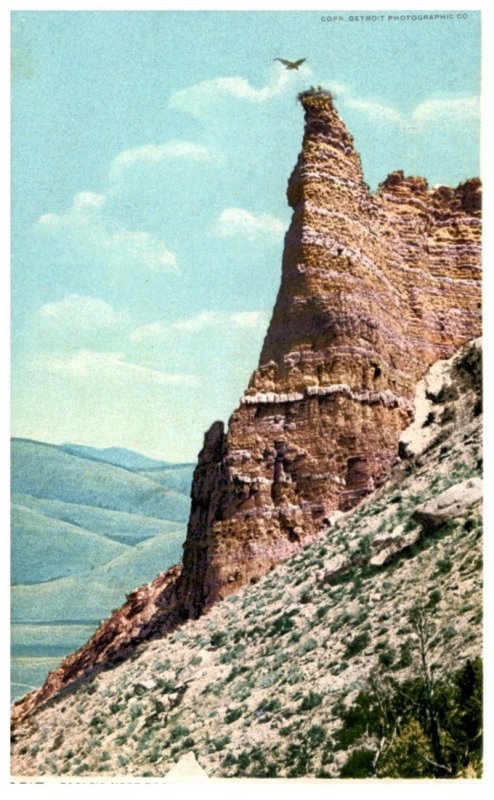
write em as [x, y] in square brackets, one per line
[375, 288]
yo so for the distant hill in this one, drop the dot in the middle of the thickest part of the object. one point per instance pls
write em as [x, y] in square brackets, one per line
[117, 525]
[92, 594]
[118, 456]
[44, 549]
[46, 471]
[176, 477]
[88, 526]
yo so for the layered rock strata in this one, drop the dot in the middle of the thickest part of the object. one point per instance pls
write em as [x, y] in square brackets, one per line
[375, 288]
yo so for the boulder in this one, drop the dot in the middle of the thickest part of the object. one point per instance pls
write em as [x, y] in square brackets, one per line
[449, 504]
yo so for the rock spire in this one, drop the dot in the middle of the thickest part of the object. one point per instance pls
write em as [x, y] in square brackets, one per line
[374, 289]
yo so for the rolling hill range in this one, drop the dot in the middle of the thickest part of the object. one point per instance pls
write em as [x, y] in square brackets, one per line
[48, 472]
[85, 531]
[118, 456]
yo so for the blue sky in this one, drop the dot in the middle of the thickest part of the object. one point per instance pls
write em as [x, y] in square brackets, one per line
[150, 154]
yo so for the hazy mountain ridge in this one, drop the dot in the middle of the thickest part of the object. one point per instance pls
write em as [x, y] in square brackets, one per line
[94, 593]
[118, 456]
[47, 472]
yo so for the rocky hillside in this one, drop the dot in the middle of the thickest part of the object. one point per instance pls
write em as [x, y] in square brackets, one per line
[276, 680]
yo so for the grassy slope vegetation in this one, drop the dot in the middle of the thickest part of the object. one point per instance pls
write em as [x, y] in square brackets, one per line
[84, 533]
[265, 684]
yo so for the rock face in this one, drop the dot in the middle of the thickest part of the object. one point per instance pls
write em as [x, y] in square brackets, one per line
[375, 288]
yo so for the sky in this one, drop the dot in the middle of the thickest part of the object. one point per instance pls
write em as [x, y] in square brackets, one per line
[150, 155]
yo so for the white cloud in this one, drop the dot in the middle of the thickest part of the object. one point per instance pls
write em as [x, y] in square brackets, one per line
[160, 331]
[454, 109]
[81, 311]
[206, 319]
[376, 111]
[152, 332]
[239, 222]
[337, 88]
[210, 319]
[85, 224]
[250, 319]
[197, 99]
[110, 368]
[172, 150]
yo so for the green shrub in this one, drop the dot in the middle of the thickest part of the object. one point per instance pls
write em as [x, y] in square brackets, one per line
[233, 653]
[218, 638]
[310, 701]
[219, 744]
[360, 764]
[405, 654]
[269, 705]
[307, 646]
[178, 732]
[283, 624]
[305, 596]
[243, 761]
[357, 645]
[444, 565]
[434, 598]
[316, 735]
[229, 760]
[387, 657]
[233, 714]
[162, 666]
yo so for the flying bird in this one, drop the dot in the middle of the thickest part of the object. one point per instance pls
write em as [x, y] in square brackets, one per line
[290, 64]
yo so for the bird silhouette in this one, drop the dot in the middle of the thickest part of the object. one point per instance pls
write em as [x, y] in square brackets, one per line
[290, 64]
